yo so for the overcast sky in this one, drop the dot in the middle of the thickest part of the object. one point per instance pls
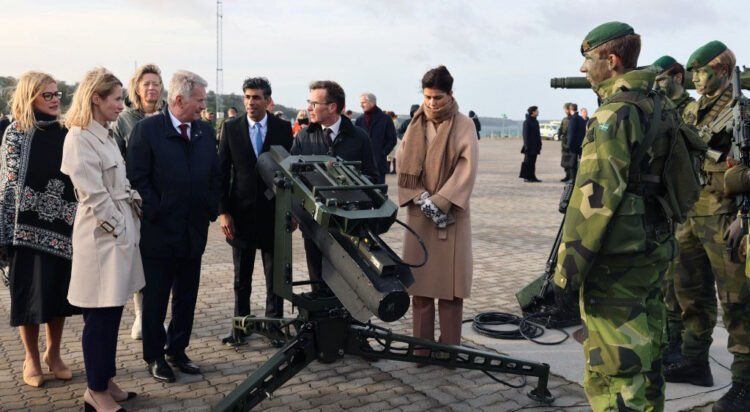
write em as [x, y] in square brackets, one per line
[501, 53]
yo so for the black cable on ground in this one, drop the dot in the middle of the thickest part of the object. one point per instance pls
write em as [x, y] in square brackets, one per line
[486, 323]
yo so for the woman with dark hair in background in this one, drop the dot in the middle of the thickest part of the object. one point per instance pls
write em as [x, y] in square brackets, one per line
[107, 265]
[532, 146]
[37, 208]
[437, 167]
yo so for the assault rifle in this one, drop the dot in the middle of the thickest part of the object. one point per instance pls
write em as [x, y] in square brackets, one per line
[537, 299]
[741, 140]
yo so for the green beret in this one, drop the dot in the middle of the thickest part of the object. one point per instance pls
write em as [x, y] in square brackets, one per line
[604, 33]
[663, 63]
[705, 54]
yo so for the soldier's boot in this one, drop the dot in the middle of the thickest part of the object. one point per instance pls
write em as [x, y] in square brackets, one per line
[672, 352]
[689, 370]
[736, 399]
[135, 331]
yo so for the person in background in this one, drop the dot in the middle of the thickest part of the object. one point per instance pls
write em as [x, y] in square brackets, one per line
[437, 168]
[532, 146]
[392, 155]
[301, 122]
[585, 114]
[231, 114]
[562, 134]
[381, 131]
[106, 260]
[475, 119]
[172, 162]
[576, 131]
[37, 202]
[349, 114]
[145, 90]
[405, 123]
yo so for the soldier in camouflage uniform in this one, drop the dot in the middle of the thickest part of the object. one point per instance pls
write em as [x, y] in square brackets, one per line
[704, 265]
[606, 248]
[669, 79]
[562, 134]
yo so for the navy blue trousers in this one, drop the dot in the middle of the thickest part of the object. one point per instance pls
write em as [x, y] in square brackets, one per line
[99, 341]
[181, 277]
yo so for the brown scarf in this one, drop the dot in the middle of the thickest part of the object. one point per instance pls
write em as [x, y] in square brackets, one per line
[428, 166]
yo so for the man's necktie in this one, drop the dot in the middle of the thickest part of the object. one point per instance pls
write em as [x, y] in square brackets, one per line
[327, 132]
[258, 139]
[183, 131]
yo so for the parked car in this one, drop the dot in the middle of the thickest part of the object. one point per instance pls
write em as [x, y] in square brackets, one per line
[549, 130]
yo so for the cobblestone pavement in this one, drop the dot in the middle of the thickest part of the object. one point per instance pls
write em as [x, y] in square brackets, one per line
[513, 228]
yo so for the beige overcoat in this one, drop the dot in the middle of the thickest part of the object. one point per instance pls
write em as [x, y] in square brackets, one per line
[448, 272]
[107, 266]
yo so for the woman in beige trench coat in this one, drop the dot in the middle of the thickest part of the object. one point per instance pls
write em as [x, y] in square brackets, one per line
[107, 265]
[437, 166]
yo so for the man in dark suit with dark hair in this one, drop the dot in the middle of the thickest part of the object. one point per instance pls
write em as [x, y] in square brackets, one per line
[576, 131]
[246, 214]
[173, 165]
[331, 134]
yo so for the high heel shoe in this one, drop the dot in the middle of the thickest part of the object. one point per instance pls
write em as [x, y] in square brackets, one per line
[62, 374]
[35, 381]
[88, 404]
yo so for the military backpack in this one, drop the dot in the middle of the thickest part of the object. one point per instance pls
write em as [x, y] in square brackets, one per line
[666, 165]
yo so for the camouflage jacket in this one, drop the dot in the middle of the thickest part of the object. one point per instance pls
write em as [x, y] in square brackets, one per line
[701, 114]
[562, 133]
[604, 221]
[682, 102]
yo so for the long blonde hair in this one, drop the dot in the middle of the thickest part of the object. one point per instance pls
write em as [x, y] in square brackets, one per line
[135, 100]
[29, 87]
[97, 81]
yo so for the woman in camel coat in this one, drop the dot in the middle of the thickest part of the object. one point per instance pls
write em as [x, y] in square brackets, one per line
[437, 167]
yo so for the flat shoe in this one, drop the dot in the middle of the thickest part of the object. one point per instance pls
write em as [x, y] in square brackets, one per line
[61, 374]
[35, 381]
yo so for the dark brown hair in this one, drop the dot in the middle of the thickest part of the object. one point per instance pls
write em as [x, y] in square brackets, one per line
[627, 48]
[532, 109]
[675, 69]
[438, 78]
[334, 92]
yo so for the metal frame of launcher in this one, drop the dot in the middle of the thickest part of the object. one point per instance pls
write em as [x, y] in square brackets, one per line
[344, 214]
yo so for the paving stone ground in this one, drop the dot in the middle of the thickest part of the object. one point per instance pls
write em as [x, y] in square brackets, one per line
[514, 225]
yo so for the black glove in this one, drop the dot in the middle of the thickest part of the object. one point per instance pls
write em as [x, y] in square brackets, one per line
[566, 299]
[733, 236]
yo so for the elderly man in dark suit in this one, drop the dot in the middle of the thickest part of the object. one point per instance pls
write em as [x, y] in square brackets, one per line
[381, 130]
[331, 134]
[246, 214]
[172, 162]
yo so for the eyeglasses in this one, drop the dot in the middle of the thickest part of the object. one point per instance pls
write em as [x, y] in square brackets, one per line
[313, 104]
[47, 96]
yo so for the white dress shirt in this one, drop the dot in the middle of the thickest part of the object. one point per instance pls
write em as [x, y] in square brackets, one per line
[334, 129]
[176, 123]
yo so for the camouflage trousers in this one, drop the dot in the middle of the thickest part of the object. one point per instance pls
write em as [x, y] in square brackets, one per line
[623, 318]
[704, 268]
[674, 311]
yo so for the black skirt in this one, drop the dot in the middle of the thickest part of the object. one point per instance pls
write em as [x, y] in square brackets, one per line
[38, 287]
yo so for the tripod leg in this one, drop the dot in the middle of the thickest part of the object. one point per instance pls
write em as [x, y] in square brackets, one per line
[287, 362]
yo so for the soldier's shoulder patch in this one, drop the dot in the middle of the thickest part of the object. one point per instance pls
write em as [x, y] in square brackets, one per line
[604, 126]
